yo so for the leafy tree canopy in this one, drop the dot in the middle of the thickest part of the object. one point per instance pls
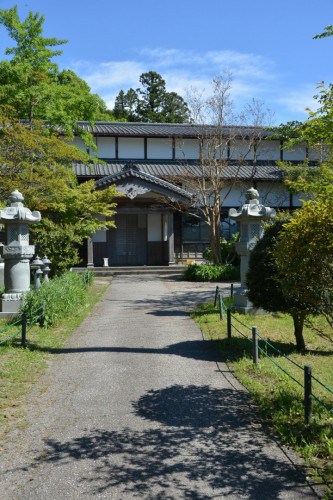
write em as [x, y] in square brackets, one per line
[31, 83]
[41, 168]
[151, 102]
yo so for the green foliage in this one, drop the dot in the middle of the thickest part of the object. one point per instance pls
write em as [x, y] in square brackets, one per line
[304, 257]
[63, 296]
[211, 272]
[228, 251]
[151, 102]
[31, 84]
[41, 167]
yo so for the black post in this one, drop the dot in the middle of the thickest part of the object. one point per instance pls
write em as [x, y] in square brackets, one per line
[42, 316]
[254, 345]
[24, 330]
[231, 290]
[307, 394]
[229, 322]
[221, 306]
[217, 291]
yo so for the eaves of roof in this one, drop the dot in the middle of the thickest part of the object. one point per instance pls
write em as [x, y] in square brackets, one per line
[263, 171]
[190, 130]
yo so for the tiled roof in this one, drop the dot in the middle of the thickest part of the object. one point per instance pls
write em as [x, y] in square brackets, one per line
[130, 170]
[160, 129]
[264, 171]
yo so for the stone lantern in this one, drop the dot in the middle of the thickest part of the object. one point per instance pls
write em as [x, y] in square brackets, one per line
[250, 217]
[16, 252]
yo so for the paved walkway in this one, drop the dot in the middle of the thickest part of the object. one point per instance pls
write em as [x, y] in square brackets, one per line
[138, 406]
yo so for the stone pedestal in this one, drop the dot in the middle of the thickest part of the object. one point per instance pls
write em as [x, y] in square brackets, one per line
[250, 217]
[16, 252]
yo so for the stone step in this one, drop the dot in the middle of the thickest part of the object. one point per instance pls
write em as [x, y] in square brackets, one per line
[113, 271]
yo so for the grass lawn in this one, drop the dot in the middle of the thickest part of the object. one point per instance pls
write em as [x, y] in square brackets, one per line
[279, 397]
[21, 367]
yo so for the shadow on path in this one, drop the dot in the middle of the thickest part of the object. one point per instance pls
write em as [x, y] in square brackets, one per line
[206, 437]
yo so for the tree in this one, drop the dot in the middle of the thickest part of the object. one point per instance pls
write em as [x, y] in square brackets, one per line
[151, 102]
[41, 167]
[219, 141]
[125, 106]
[30, 82]
[267, 283]
[304, 257]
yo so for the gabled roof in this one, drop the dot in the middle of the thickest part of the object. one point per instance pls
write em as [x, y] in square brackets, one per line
[132, 172]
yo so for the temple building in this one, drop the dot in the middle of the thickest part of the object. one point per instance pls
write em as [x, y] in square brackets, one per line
[146, 162]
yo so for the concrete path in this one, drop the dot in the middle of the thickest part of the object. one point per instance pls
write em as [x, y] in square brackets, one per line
[138, 406]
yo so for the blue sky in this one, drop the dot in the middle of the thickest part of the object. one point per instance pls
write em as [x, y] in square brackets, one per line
[267, 46]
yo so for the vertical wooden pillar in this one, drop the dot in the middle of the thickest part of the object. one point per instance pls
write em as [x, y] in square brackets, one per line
[171, 239]
[90, 253]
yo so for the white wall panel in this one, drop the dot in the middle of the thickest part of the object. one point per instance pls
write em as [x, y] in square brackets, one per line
[242, 149]
[131, 147]
[78, 142]
[268, 150]
[187, 149]
[296, 153]
[159, 149]
[154, 227]
[106, 147]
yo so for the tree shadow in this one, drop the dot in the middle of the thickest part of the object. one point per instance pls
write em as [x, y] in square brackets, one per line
[200, 350]
[208, 444]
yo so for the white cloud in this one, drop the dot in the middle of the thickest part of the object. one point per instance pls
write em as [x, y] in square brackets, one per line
[254, 76]
[297, 101]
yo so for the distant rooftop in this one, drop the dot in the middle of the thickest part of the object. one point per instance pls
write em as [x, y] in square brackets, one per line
[139, 129]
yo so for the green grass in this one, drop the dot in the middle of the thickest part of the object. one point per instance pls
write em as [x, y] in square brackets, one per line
[279, 398]
[21, 367]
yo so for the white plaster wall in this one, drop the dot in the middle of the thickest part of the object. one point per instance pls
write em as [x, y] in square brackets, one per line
[239, 148]
[212, 147]
[131, 147]
[100, 236]
[270, 194]
[106, 147]
[78, 142]
[296, 153]
[154, 227]
[187, 149]
[159, 149]
[268, 150]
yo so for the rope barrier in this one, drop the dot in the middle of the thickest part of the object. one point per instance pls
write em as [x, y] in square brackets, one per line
[13, 335]
[279, 352]
[241, 333]
[280, 367]
[245, 326]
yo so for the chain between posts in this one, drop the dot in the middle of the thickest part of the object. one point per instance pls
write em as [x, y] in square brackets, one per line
[307, 387]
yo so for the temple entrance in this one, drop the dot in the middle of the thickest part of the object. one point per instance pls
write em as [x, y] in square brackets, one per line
[127, 245]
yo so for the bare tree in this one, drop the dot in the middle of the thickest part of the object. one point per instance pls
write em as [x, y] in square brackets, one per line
[227, 142]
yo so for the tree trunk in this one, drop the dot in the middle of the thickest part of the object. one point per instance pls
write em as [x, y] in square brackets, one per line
[298, 318]
[214, 236]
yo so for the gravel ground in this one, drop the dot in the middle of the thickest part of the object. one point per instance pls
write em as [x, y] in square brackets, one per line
[138, 405]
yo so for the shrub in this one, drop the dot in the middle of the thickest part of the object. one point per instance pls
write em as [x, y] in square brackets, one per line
[228, 251]
[62, 296]
[211, 272]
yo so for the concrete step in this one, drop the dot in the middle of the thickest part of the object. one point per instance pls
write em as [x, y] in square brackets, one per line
[113, 271]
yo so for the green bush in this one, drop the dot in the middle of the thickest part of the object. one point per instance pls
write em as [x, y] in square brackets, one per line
[62, 296]
[211, 272]
[228, 251]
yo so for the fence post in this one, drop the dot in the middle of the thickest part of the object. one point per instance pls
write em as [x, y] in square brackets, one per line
[217, 291]
[24, 330]
[221, 306]
[254, 345]
[231, 290]
[229, 322]
[42, 316]
[307, 394]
